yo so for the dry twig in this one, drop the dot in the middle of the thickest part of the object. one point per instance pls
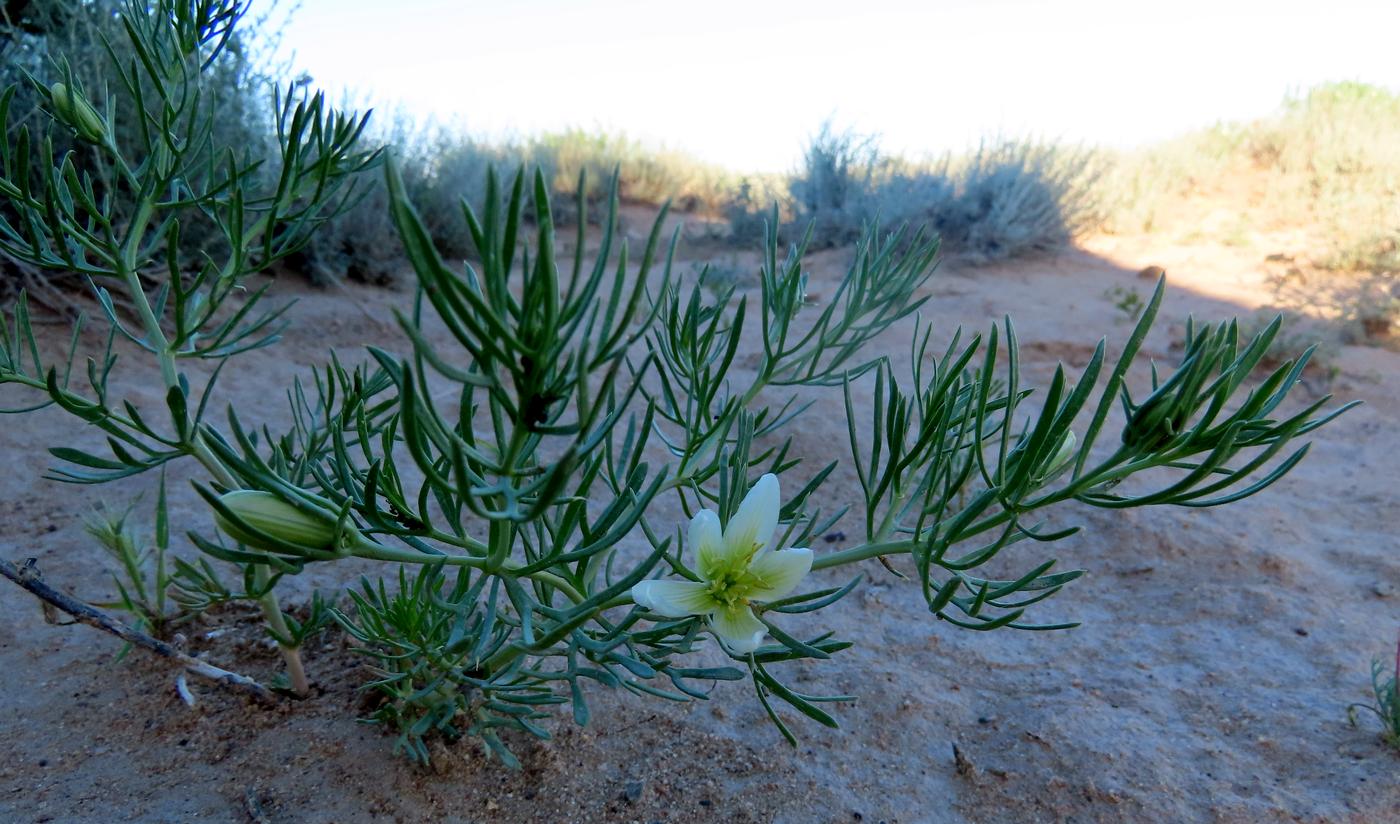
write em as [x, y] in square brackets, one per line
[29, 578]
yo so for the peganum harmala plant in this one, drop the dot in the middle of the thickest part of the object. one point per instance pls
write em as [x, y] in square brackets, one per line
[113, 211]
[511, 464]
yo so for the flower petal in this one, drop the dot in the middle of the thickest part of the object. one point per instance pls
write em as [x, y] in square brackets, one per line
[737, 628]
[674, 599]
[707, 541]
[775, 574]
[753, 524]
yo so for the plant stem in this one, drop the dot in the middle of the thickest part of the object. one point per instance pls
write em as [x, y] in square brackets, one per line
[378, 552]
[271, 609]
[861, 553]
[272, 613]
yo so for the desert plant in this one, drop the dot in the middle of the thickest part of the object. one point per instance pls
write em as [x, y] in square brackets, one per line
[747, 209]
[172, 170]
[358, 242]
[1019, 196]
[646, 174]
[1127, 301]
[1385, 685]
[84, 44]
[1006, 198]
[143, 575]
[834, 192]
[506, 471]
[1138, 185]
[1326, 160]
[1377, 254]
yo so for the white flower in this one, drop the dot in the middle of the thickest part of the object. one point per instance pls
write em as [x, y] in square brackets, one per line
[737, 567]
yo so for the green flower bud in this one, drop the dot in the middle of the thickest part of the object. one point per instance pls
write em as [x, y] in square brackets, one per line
[1152, 424]
[78, 114]
[270, 514]
[1063, 454]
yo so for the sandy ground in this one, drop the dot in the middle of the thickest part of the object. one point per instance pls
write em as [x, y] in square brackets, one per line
[1208, 682]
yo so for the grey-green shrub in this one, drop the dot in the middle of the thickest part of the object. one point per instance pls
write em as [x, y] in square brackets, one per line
[1006, 198]
[440, 168]
[88, 34]
[1011, 197]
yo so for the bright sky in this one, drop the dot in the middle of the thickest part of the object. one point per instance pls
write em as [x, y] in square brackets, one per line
[744, 82]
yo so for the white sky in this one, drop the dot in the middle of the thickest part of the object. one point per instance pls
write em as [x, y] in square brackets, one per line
[744, 82]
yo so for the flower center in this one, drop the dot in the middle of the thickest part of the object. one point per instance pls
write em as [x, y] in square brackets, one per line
[730, 588]
[732, 582]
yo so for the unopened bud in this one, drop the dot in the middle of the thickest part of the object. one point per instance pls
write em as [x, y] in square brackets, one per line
[78, 114]
[1063, 454]
[1151, 424]
[276, 518]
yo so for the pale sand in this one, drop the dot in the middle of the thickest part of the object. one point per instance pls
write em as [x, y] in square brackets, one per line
[1207, 683]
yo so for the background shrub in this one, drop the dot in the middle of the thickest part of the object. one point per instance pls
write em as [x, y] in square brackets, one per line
[1328, 160]
[237, 90]
[1017, 196]
[647, 174]
[1006, 198]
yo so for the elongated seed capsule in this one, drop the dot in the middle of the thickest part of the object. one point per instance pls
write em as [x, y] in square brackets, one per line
[78, 114]
[270, 514]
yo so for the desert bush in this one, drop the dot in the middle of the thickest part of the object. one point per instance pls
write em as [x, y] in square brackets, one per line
[646, 174]
[1328, 159]
[1006, 198]
[1138, 185]
[443, 166]
[68, 41]
[1018, 196]
[756, 201]
[1336, 162]
[440, 167]
[1376, 255]
[520, 557]
[835, 190]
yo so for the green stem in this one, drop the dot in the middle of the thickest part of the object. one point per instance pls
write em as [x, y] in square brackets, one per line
[272, 613]
[862, 553]
[378, 552]
[155, 336]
